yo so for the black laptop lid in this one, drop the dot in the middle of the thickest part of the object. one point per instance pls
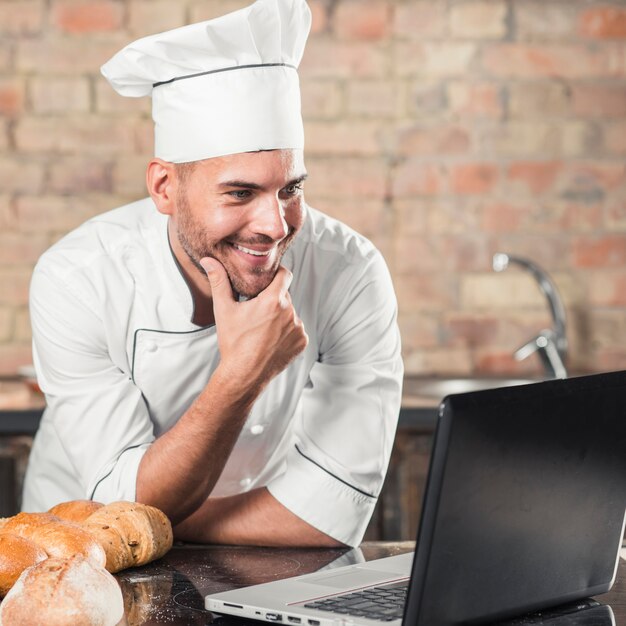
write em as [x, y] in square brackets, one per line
[525, 501]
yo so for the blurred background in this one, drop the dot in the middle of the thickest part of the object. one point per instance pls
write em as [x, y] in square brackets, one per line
[445, 130]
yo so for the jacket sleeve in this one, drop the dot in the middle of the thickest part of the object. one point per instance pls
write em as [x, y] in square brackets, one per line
[347, 416]
[93, 408]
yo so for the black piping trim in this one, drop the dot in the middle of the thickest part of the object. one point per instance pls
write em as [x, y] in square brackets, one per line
[369, 495]
[164, 332]
[116, 460]
[223, 69]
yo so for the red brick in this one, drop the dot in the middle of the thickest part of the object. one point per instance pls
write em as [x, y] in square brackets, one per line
[522, 139]
[427, 98]
[109, 101]
[319, 16]
[143, 136]
[444, 362]
[616, 213]
[614, 137]
[533, 177]
[420, 19]
[56, 55]
[60, 95]
[414, 177]
[536, 20]
[504, 217]
[607, 287]
[355, 19]
[436, 59]
[376, 98]
[321, 99]
[346, 178]
[610, 359]
[369, 217]
[538, 99]
[554, 253]
[59, 215]
[479, 19]
[15, 282]
[589, 182]
[76, 175]
[467, 252]
[580, 139]
[555, 60]
[6, 323]
[86, 16]
[502, 362]
[12, 94]
[6, 56]
[22, 328]
[425, 292]
[347, 138]
[147, 17]
[474, 178]
[456, 215]
[21, 175]
[416, 255]
[599, 251]
[419, 331]
[4, 137]
[8, 218]
[210, 9]
[85, 134]
[603, 22]
[475, 100]
[325, 58]
[433, 140]
[20, 248]
[599, 100]
[21, 17]
[129, 175]
[13, 356]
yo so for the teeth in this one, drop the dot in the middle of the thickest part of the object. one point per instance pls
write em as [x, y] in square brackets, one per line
[253, 252]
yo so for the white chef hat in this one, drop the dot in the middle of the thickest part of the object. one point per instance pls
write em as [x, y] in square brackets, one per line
[223, 86]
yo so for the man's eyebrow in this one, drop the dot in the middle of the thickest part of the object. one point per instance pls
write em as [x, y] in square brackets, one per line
[242, 184]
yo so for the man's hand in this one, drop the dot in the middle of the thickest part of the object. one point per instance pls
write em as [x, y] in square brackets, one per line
[257, 338]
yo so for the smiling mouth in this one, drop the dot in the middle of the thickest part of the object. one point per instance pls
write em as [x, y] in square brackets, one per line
[252, 252]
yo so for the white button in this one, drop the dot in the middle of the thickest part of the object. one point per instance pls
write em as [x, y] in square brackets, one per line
[257, 429]
[151, 346]
[245, 482]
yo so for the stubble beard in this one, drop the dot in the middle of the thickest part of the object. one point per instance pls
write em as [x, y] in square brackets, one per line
[193, 241]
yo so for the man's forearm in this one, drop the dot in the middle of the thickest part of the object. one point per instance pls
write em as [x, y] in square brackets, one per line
[179, 470]
[252, 518]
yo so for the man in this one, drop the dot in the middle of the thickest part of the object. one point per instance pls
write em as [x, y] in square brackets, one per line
[219, 350]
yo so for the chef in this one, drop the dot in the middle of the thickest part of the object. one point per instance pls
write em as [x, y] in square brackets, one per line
[219, 349]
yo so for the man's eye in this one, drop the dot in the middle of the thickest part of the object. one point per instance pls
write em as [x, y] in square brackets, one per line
[292, 190]
[240, 194]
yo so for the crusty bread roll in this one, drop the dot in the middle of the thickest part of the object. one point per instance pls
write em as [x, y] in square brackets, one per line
[60, 592]
[57, 537]
[131, 533]
[76, 511]
[16, 554]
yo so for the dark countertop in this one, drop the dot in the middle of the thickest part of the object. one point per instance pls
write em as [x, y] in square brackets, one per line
[171, 590]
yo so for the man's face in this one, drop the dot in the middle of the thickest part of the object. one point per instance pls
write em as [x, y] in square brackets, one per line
[244, 210]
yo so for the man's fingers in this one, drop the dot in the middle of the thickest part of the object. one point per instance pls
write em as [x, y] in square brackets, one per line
[220, 285]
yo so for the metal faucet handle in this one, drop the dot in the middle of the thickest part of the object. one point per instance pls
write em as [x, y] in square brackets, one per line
[545, 345]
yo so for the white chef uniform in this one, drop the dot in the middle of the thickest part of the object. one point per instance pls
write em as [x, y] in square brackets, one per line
[120, 361]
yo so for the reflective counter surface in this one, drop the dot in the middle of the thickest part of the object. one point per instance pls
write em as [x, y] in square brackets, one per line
[172, 590]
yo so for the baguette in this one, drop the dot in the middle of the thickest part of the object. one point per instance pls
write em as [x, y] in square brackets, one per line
[131, 533]
[60, 592]
[76, 511]
[16, 554]
[57, 537]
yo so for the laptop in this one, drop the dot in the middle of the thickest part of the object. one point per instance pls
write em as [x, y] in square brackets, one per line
[524, 509]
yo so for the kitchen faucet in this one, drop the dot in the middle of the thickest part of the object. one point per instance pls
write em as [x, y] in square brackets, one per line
[551, 343]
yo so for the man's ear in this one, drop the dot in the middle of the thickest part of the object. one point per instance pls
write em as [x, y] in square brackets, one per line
[162, 182]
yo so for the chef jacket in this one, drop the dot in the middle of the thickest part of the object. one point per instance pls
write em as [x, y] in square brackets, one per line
[120, 361]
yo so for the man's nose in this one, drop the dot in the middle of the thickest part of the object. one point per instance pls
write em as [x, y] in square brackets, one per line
[269, 219]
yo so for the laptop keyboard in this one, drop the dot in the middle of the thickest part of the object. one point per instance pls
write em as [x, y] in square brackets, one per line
[384, 603]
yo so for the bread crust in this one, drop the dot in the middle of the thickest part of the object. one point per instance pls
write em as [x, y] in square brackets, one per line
[58, 592]
[16, 554]
[57, 537]
[76, 511]
[131, 533]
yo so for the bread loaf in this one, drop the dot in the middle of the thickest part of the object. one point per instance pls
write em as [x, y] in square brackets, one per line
[131, 534]
[76, 511]
[63, 592]
[57, 537]
[16, 554]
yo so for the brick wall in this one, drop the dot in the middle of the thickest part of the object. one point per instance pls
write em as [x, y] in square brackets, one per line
[445, 130]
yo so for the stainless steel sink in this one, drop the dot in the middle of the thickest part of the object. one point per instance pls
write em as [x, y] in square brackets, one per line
[438, 388]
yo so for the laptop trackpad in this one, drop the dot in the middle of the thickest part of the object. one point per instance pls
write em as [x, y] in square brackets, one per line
[354, 578]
